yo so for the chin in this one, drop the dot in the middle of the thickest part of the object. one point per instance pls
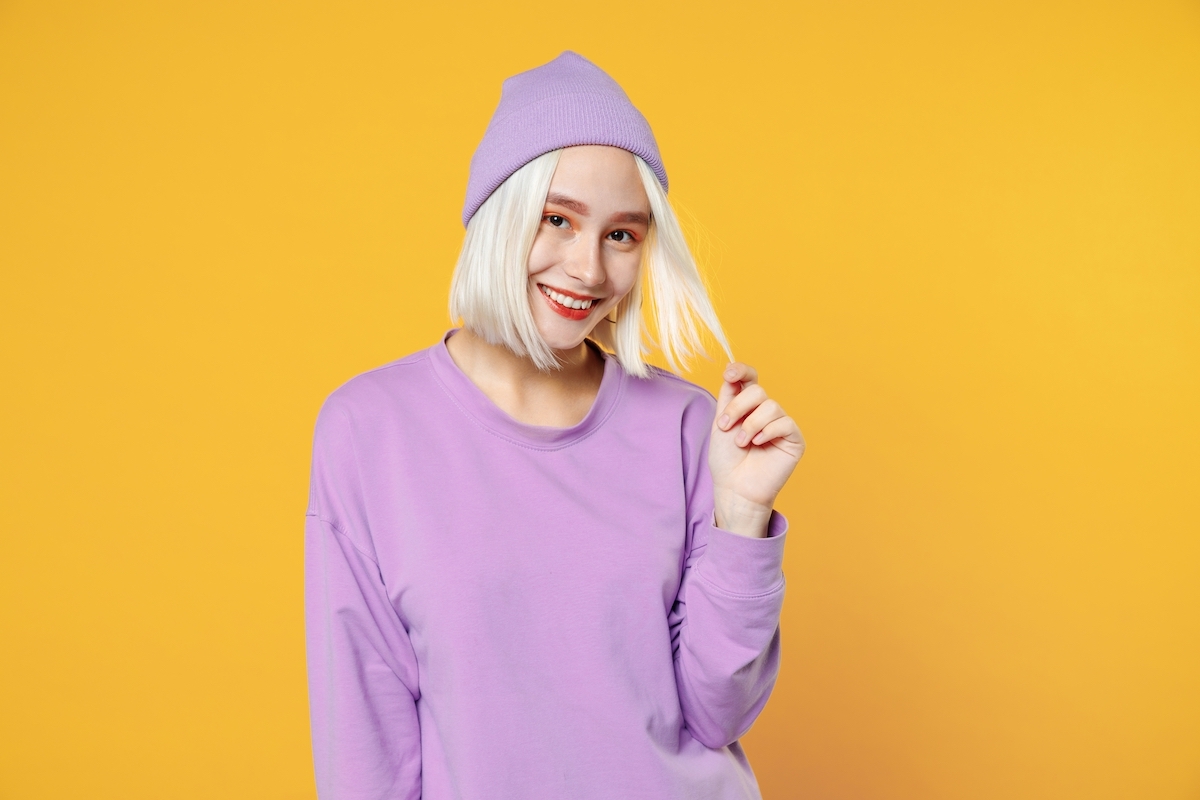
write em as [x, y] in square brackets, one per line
[560, 342]
[559, 333]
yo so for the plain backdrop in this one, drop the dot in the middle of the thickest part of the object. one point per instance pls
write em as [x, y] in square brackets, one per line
[960, 241]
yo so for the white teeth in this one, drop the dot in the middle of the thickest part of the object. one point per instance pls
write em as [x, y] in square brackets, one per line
[563, 300]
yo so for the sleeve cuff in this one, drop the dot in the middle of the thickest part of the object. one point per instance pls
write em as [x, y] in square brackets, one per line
[743, 565]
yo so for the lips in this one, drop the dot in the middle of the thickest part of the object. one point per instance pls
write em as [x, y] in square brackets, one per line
[569, 306]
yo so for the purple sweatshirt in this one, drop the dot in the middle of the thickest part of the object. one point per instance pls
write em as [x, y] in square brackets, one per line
[497, 610]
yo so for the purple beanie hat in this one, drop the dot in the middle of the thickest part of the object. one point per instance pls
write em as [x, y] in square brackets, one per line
[568, 102]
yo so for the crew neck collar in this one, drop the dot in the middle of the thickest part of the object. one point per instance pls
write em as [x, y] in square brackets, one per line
[480, 408]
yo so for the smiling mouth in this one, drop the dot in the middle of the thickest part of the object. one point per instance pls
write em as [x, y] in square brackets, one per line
[567, 306]
[564, 300]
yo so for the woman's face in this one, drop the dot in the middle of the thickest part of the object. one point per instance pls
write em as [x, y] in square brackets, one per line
[588, 248]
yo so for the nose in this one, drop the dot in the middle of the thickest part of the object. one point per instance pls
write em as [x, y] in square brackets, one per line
[586, 264]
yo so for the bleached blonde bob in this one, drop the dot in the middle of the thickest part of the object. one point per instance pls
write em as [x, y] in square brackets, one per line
[489, 292]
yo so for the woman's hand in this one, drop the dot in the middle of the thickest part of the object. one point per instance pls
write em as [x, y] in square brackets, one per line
[754, 447]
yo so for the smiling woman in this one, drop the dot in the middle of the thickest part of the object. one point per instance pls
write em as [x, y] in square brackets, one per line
[537, 568]
[629, 210]
[592, 232]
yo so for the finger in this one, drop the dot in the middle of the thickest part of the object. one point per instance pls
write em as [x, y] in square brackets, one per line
[733, 383]
[740, 405]
[768, 411]
[737, 372]
[736, 377]
[783, 432]
[728, 392]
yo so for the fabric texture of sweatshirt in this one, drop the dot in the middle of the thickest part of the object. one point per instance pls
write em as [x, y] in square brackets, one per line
[499, 610]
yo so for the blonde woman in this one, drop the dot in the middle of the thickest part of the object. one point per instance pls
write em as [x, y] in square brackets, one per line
[537, 567]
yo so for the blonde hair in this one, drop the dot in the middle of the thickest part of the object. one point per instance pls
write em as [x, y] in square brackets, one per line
[490, 288]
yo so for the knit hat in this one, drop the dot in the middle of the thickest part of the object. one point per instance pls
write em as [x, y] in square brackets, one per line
[568, 102]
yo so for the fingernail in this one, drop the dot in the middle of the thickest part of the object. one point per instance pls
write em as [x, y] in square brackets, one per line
[723, 422]
[729, 373]
[741, 438]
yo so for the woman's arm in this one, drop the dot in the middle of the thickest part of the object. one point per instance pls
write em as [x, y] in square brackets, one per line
[725, 629]
[725, 621]
[362, 672]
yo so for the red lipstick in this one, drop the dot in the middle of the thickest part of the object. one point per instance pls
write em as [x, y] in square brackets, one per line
[564, 311]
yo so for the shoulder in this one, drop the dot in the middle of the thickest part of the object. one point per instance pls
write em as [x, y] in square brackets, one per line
[356, 417]
[380, 392]
[665, 394]
[670, 406]
[383, 380]
[663, 386]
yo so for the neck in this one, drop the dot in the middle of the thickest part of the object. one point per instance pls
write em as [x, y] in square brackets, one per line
[553, 398]
[502, 363]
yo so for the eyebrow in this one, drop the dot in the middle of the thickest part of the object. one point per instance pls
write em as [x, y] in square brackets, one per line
[581, 208]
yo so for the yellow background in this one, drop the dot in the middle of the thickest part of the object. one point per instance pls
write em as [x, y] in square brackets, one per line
[961, 241]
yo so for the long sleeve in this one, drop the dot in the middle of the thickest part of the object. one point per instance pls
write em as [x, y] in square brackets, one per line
[362, 673]
[725, 620]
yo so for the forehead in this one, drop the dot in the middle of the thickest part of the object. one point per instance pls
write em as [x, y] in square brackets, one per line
[593, 173]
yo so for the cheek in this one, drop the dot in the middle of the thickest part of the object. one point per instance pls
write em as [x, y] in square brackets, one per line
[541, 255]
[625, 271]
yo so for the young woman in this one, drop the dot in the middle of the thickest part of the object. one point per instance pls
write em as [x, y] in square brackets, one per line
[537, 567]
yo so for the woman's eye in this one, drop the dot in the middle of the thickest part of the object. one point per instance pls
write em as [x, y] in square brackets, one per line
[624, 237]
[556, 220]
